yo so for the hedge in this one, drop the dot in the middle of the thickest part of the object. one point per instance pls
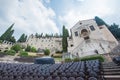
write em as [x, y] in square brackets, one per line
[68, 60]
[99, 57]
[76, 59]
[94, 57]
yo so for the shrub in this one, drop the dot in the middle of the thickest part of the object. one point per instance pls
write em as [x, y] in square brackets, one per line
[99, 57]
[28, 48]
[33, 49]
[0, 41]
[68, 60]
[46, 51]
[5, 51]
[16, 47]
[57, 56]
[58, 52]
[23, 53]
[11, 52]
[76, 59]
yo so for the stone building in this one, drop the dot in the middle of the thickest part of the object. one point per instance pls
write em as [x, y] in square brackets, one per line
[52, 43]
[87, 38]
[5, 45]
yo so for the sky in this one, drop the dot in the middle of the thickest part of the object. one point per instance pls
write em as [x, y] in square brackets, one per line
[49, 16]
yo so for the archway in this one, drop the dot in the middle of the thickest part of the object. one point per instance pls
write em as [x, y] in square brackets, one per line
[85, 34]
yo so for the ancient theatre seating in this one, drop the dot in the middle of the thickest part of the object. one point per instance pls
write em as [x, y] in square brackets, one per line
[84, 70]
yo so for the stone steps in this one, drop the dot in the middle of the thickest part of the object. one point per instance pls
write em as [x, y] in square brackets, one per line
[111, 67]
[111, 71]
[112, 77]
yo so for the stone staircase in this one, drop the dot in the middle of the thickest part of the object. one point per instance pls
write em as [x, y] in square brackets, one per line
[110, 71]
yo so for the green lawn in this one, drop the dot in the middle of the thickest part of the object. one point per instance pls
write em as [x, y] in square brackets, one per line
[58, 59]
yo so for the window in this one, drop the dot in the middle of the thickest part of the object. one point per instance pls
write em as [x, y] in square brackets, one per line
[71, 45]
[86, 38]
[92, 28]
[76, 33]
[100, 27]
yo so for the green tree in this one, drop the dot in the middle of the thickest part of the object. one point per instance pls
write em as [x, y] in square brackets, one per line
[0, 41]
[11, 52]
[22, 38]
[46, 35]
[12, 39]
[99, 21]
[33, 49]
[7, 35]
[115, 30]
[64, 39]
[16, 47]
[41, 35]
[28, 48]
[37, 35]
[46, 51]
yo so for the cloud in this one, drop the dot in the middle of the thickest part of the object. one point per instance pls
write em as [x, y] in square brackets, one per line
[48, 16]
[86, 9]
[29, 16]
[47, 1]
[80, 0]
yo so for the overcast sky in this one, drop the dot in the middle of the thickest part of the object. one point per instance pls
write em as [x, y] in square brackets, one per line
[48, 16]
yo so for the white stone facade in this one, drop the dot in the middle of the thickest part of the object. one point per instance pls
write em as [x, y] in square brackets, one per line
[52, 43]
[5, 45]
[87, 39]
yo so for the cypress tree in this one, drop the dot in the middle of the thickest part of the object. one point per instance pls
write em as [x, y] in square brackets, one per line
[7, 35]
[25, 38]
[99, 21]
[22, 38]
[12, 39]
[64, 39]
[114, 28]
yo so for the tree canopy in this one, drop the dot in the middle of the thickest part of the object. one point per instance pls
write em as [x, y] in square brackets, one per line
[22, 38]
[46, 52]
[114, 28]
[99, 21]
[8, 34]
[16, 47]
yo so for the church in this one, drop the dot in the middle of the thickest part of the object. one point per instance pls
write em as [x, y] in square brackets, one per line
[87, 38]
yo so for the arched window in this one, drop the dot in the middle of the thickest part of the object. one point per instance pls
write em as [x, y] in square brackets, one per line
[85, 34]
